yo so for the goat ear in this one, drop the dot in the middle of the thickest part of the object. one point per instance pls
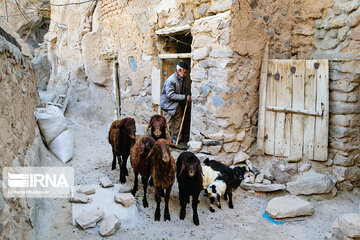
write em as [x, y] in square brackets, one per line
[142, 148]
[173, 145]
[199, 168]
[182, 169]
[167, 127]
[148, 126]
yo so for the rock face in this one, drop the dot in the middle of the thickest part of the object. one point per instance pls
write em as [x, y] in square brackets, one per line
[258, 187]
[288, 206]
[89, 219]
[109, 225]
[240, 157]
[106, 182]
[126, 199]
[350, 224]
[310, 183]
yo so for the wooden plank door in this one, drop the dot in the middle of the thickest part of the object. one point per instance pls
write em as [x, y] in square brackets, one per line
[296, 113]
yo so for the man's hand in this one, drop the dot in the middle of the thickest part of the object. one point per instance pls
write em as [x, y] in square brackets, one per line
[188, 98]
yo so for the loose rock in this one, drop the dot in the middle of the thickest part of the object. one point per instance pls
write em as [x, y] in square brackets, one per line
[263, 187]
[88, 189]
[288, 206]
[126, 199]
[310, 183]
[241, 157]
[109, 225]
[106, 182]
[90, 218]
[79, 198]
[350, 224]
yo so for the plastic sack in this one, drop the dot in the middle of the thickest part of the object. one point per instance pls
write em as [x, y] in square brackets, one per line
[51, 122]
[63, 146]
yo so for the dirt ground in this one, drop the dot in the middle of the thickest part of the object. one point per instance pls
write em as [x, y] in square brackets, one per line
[92, 159]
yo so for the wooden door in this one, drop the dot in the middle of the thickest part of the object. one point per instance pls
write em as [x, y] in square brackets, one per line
[294, 121]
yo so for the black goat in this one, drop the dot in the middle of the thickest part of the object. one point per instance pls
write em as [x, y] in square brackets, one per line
[232, 177]
[189, 177]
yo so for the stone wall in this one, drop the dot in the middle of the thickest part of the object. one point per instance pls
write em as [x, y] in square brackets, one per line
[337, 35]
[229, 39]
[17, 105]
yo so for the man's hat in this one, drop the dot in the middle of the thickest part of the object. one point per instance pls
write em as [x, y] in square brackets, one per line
[183, 65]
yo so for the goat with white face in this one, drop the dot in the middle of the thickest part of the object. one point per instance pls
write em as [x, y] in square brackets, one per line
[215, 191]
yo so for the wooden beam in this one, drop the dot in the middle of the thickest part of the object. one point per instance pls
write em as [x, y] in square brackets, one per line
[175, 55]
[262, 92]
[295, 111]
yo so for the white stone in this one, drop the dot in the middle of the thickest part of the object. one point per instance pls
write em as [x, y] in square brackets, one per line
[310, 183]
[106, 182]
[220, 5]
[228, 137]
[288, 206]
[201, 53]
[304, 167]
[217, 136]
[126, 199]
[241, 157]
[201, 41]
[213, 150]
[194, 146]
[231, 147]
[79, 198]
[259, 178]
[221, 53]
[90, 218]
[198, 73]
[240, 136]
[350, 224]
[258, 187]
[88, 189]
[266, 182]
[109, 225]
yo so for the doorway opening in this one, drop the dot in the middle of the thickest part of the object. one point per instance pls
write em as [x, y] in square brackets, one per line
[177, 48]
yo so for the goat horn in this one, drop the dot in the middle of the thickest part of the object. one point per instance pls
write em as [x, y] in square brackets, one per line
[148, 126]
[151, 152]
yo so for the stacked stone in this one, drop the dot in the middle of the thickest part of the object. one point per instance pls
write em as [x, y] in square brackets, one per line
[213, 90]
[338, 38]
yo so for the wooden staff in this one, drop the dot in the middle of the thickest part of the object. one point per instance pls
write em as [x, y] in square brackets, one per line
[182, 121]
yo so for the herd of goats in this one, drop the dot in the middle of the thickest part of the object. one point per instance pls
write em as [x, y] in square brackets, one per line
[151, 157]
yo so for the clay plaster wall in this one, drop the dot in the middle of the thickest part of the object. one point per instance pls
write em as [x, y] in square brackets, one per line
[227, 48]
[17, 134]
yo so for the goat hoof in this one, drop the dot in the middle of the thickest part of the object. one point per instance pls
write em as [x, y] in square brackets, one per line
[182, 216]
[122, 180]
[145, 204]
[167, 217]
[212, 210]
[196, 222]
[219, 206]
[157, 217]
[231, 206]
[113, 168]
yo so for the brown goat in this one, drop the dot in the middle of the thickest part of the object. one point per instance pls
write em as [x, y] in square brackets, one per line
[163, 174]
[122, 138]
[158, 127]
[141, 164]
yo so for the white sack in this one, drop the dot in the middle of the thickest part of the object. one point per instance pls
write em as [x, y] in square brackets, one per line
[63, 146]
[51, 121]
